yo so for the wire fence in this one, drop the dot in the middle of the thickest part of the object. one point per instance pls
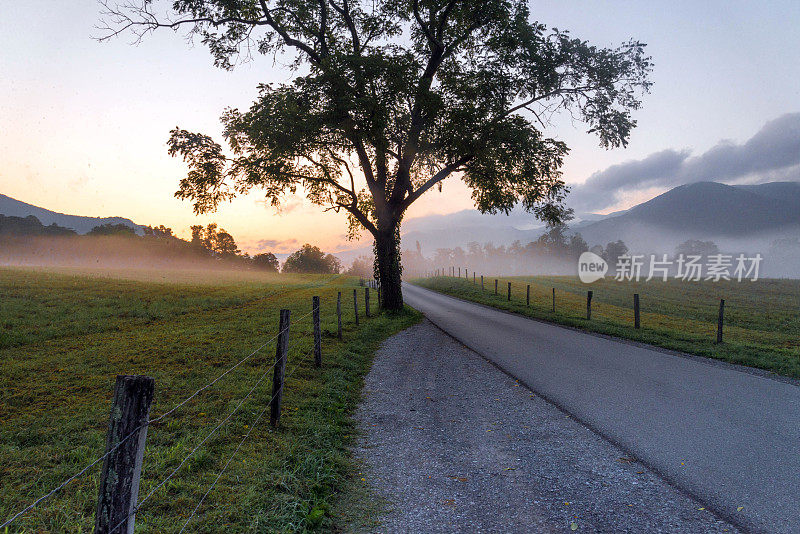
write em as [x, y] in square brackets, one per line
[295, 335]
[580, 307]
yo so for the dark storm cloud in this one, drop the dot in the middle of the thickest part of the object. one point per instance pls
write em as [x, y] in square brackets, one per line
[772, 153]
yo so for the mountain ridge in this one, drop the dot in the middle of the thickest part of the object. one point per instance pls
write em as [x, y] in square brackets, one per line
[81, 224]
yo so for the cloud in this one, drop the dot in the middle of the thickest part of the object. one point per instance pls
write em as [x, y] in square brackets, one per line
[275, 245]
[773, 153]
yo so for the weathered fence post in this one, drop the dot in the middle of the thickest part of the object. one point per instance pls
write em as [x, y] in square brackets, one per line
[528, 296]
[339, 315]
[481, 282]
[459, 272]
[122, 468]
[366, 302]
[355, 304]
[473, 277]
[281, 348]
[719, 321]
[636, 310]
[495, 286]
[588, 306]
[554, 300]
[317, 333]
[509, 291]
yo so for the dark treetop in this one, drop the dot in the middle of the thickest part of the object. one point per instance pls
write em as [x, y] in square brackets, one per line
[401, 93]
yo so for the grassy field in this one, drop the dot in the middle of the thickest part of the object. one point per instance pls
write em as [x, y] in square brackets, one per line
[762, 319]
[66, 335]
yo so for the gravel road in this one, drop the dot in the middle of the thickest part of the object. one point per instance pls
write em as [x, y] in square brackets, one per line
[455, 445]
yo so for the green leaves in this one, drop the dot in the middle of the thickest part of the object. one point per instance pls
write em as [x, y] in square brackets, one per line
[408, 92]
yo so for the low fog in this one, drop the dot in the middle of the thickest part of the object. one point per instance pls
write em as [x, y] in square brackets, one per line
[105, 252]
[557, 252]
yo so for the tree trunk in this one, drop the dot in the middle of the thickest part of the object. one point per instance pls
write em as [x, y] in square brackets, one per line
[387, 254]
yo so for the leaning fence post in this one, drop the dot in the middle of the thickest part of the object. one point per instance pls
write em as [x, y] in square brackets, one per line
[339, 315]
[636, 310]
[355, 304]
[509, 291]
[281, 348]
[122, 468]
[588, 305]
[366, 302]
[719, 321]
[317, 333]
[528, 296]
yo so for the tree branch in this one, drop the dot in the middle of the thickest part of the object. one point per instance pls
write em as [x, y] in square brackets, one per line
[438, 177]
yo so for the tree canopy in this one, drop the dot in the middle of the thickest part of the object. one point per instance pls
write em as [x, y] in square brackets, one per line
[311, 260]
[389, 98]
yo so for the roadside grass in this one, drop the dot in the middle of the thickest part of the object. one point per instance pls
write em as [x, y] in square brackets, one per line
[761, 327]
[56, 384]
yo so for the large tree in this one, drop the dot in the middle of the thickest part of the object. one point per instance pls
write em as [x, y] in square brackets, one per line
[396, 95]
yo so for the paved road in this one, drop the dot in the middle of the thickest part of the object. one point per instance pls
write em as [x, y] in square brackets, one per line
[728, 437]
[454, 445]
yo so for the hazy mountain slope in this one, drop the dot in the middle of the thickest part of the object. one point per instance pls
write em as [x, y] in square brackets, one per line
[16, 208]
[704, 210]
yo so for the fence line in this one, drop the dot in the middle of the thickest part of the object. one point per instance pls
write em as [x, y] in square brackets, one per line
[135, 431]
[131, 434]
[588, 295]
[295, 343]
[239, 446]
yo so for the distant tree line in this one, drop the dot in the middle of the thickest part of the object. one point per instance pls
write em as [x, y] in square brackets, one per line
[30, 226]
[552, 253]
[21, 237]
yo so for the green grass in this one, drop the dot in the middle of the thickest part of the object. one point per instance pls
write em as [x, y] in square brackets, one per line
[762, 318]
[67, 336]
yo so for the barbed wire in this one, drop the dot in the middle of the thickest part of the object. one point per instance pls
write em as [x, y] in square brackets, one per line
[136, 430]
[239, 446]
[195, 449]
[140, 427]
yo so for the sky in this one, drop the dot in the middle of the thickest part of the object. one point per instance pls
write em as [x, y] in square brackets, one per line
[84, 124]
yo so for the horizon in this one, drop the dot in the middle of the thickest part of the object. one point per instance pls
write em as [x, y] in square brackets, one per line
[93, 143]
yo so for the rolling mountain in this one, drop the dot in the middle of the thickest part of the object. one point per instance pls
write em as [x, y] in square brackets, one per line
[704, 210]
[15, 208]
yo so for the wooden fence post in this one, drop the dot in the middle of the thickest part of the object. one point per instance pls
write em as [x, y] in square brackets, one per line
[495, 286]
[509, 291]
[554, 300]
[281, 348]
[473, 277]
[355, 304]
[317, 333]
[719, 321]
[528, 296]
[339, 315]
[481, 282]
[122, 468]
[588, 306]
[636, 322]
[459, 272]
[366, 302]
